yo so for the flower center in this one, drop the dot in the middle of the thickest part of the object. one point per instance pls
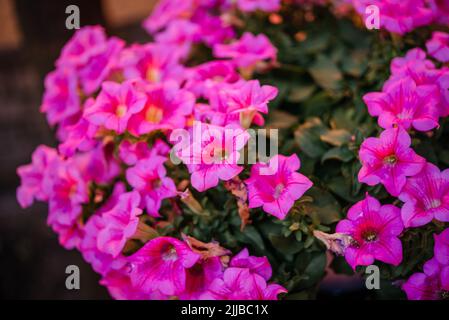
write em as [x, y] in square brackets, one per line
[434, 203]
[152, 74]
[278, 190]
[169, 253]
[121, 110]
[219, 154]
[154, 114]
[391, 160]
[369, 235]
[444, 295]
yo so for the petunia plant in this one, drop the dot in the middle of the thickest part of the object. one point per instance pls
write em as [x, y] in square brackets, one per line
[161, 177]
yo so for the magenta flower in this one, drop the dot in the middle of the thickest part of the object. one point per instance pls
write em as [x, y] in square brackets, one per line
[257, 265]
[167, 107]
[200, 276]
[247, 51]
[151, 62]
[438, 46]
[114, 106]
[374, 230]
[245, 103]
[210, 76]
[180, 34]
[161, 265]
[440, 9]
[32, 176]
[433, 284]
[277, 185]
[441, 249]
[61, 99]
[242, 284]
[405, 104]
[398, 16]
[168, 10]
[425, 197]
[131, 153]
[389, 160]
[120, 224]
[213, 29]
[264, 5]
[213, 154]
[148, 177]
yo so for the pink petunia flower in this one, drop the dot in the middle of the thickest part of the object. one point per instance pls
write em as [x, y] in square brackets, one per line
[180, 34]
[425, 197]
[438, 46]
[432, 284]
[213, 29]
[264, 5]
[389, 160]
[248, 50]
[246, 103]
[32, 176]
[114, 106]
[151, 62]
[213, 154]
[374, 230]
[258, 265]
[148, 177]
[131, 153]
[276, 185]
[61, 99]
[120, 224]
[242, 284]
[167, 11]
[440, 9]
[210, 76]
[200, 276]
[398, 16]
[161, 265]
[167, 107]
[405, 104]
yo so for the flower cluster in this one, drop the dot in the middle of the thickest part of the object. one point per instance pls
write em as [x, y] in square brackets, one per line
[115, 108]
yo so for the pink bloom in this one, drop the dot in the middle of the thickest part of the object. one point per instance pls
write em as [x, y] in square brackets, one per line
[277, 185]
[438, 46]
[200, 276]
[32, 176]
[398, 16]
[426, 196]
[61, 99]
[131, 152]
[242, 284]
[69, 236]
[151, 62]
[248, 50]
[67, 191]
[389, 160]
[168, 10]
[258, 265]
[180, 34]
[433, 284]
[120, 224]
[167, 108]
[114, 106]
[374, 230]
[99, 164]
[253, 5]
[245, 103]
[213, 29]
[210, 76]
[406, 104]
[213, 154]
[441, 249]
[148, 177]
[161, 265]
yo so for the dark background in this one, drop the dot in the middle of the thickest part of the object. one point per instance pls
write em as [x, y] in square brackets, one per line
[32, 32]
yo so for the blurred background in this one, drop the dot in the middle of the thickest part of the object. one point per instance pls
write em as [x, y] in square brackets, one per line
[32, 33]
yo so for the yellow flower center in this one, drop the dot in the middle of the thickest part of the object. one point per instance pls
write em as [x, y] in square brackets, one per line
[121, 110]
[154, 114]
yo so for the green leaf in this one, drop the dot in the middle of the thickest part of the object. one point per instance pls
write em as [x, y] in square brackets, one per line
[326, 73]
[336, 137]
[308, 138]
[342, 154]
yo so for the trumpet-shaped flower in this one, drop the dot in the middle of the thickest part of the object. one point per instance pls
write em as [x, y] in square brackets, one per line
[438, 46]
[405, 104]
[276, 185]
[374, 230]
[114, 106]
[389, 160]
[247, 51]
[426, 196]
[161, 264]
[167, 107]
[148, 177]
